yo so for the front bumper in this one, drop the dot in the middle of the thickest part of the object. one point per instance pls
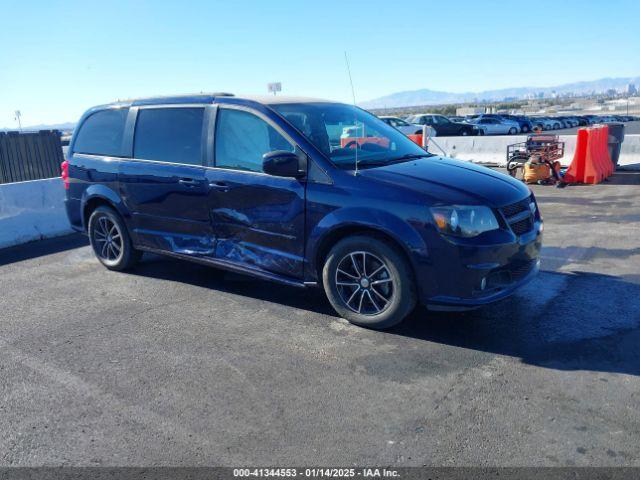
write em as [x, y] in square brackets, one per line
[471, 273]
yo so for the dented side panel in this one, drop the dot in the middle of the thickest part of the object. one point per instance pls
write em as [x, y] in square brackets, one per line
[166, 213]
[258, 220]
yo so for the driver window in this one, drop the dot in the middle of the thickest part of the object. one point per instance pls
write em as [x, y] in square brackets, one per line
[242, 139]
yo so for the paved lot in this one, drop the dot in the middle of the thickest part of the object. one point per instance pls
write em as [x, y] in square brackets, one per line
[178, 364]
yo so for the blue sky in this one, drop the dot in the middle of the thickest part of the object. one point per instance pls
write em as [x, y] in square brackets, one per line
[59, 58]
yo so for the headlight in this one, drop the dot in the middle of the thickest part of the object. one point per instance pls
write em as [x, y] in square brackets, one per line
[464, 221]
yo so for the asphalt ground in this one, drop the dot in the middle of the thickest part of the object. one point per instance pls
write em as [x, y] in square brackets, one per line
[178, 364]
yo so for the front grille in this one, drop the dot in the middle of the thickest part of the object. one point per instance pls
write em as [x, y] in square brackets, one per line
[523, 226]
[513, 214]
[515, 208]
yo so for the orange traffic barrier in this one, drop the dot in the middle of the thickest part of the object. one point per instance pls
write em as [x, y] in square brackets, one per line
[350, 142]
[416, 138]
[593, 166]
[575, 172]
[591, 161]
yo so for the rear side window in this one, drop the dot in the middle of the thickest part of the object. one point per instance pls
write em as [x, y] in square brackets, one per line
[169, 135]
[101, 133]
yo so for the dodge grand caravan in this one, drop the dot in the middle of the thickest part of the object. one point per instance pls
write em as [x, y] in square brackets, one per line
[271, 188]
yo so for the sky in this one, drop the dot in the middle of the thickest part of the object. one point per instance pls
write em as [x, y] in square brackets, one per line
[59, 58]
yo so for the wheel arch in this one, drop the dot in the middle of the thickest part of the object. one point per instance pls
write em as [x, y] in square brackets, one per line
[343, 223]
[100, 195]
[339, 233]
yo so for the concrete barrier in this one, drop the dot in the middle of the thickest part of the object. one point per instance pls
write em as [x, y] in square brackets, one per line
[493, 150]
[32, 211]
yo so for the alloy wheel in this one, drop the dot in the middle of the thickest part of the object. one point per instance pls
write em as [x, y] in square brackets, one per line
[107, 239]
[364, 283]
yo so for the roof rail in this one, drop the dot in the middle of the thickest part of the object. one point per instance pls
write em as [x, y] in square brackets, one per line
[222, 94]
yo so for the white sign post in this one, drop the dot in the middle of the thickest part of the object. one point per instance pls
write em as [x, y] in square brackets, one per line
[18, 115]
[274, 87]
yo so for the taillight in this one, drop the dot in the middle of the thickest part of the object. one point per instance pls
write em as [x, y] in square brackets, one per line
[65, 174]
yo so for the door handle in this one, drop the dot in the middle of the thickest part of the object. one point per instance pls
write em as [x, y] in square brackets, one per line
[191, 182]
[222, 186]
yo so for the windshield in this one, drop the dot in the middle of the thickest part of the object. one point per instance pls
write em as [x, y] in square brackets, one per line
[344, 133]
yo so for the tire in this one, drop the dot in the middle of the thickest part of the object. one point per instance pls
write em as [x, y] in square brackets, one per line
[513, 131]
[480, 132]
[556, 126]
[525, 129]
[464, 133]
[110, 240]
[351, 289]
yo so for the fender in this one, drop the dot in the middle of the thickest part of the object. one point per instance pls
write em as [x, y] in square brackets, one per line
[373, 219]
[105, 193]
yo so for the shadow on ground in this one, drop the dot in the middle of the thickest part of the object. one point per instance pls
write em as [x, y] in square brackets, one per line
[565, 321]
[41, 248]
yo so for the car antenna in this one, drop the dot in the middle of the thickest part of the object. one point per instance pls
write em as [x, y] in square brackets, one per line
[353, 94]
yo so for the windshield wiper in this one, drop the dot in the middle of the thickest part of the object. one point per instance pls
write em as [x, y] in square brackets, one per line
[383, 162]
[405, 158]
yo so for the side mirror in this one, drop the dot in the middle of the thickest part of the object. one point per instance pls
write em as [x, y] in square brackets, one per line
[281, 163]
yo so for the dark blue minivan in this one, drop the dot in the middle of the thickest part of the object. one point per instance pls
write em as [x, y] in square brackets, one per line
[300, 191]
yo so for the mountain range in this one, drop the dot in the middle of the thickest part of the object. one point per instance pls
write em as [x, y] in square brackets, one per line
[34, 128]
[434, 97]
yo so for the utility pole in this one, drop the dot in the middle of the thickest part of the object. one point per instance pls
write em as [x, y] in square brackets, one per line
[18, 115]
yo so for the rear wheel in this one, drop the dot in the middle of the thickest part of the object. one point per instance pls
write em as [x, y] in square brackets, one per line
[525, 129]
[369, 282]
[513, 131]
[464, 133]
[110, 240]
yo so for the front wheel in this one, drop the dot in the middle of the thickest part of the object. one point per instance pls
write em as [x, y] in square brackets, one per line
[465, 133]
[369, 282]
[110, 240]
[513, 131]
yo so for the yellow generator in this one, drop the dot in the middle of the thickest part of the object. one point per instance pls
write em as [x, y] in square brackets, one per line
[534, 172]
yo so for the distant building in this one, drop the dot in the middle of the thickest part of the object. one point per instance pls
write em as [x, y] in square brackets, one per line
[463, 111]
[631, 89]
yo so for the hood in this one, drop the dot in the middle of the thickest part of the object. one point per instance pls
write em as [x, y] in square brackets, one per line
[452, 181]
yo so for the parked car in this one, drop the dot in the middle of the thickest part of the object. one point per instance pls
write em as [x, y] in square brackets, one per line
[402, 125]
[583, 120]
[442, 125]
[544, 123]
[574, 120]
[523, 122]
[493, 126]
[503, 120]
[264, 186]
